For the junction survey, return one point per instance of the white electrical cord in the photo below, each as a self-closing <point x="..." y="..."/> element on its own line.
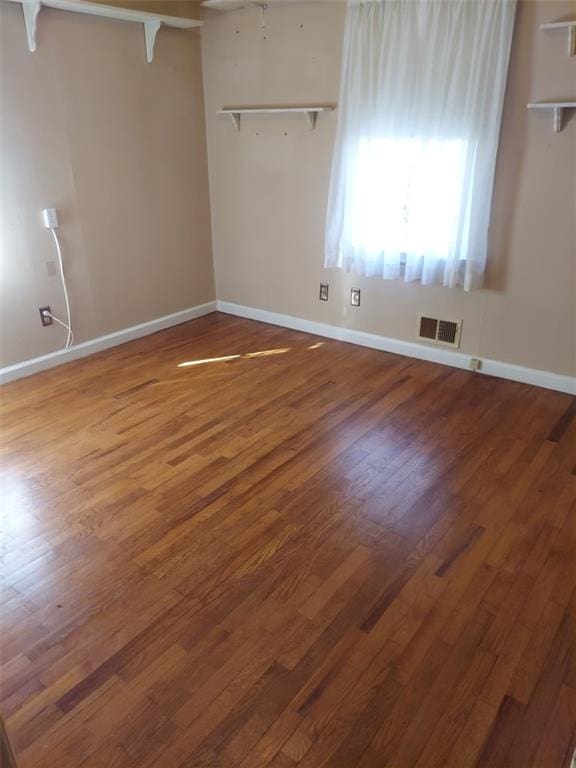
<point x="68" y="325"/>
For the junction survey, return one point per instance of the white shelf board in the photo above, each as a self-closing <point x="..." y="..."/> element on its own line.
<point x="557" y="106"/>
<point x="234" y="5"/>
<point x="262" y="5"/>
<point x="224" y="5"/>
<point x="150" y="21"/>
<point x="311" y="113"/>
<point x="571" y="27"/>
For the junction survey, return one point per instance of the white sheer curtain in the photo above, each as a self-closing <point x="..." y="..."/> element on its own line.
<point x="419" y="119"/>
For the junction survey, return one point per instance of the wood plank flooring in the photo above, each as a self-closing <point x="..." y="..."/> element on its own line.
<point x="230" y="544"/>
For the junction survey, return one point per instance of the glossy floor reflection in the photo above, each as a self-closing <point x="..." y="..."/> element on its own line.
<point x="327" y="555"/>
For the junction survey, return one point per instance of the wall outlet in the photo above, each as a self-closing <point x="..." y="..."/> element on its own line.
<point x="45" y="317"/>
<point x="355" y="297"/>
<point x="475" y="364"/>
<point x="323" y="292"/>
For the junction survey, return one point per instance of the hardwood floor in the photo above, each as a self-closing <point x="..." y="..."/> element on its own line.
<point x="305" y="553"/>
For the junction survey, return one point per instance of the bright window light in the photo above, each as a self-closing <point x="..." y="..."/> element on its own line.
<point x="406" y="196"/>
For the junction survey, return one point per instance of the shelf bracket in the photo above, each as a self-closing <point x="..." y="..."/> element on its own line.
<point x="31" y="9"/>
<point x="557" y="108"/>
<point x="557" y="119"/>
<point x="235" y="117"/>
<point x="570" y="26"/>
<point x="263" y="13"/>
<point x="312" y="119"/>
<point x="150" y="31"/>
<point x="150" y="21"/>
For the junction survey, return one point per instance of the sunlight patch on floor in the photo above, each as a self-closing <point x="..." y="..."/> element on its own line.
<point x="264" y="353"/>
<point x="190" y="363"/>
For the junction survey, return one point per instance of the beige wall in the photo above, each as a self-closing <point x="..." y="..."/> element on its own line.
<point x="118" y="147"/>
<point x="269" y="187"/>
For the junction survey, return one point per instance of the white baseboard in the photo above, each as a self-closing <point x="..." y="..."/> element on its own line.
<point x="533" y="376"/>
<point x="27" y="367"/>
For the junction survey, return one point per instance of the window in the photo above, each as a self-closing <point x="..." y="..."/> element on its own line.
<point x="419" y="120"/>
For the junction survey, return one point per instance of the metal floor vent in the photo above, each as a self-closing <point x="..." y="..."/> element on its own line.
<point x="437" y="331"/>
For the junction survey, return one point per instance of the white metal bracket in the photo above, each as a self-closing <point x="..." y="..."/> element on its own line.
<point x="151" y="28"/>
<point x="235" y="117"/>
<point x="312" y="119"/>
<point x="557" y="119"/>
<point x="263" y="13"/>
<point x="31" y="9"/>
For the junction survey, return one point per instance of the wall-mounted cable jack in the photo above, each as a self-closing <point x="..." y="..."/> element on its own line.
<point x="50" y="221"/>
